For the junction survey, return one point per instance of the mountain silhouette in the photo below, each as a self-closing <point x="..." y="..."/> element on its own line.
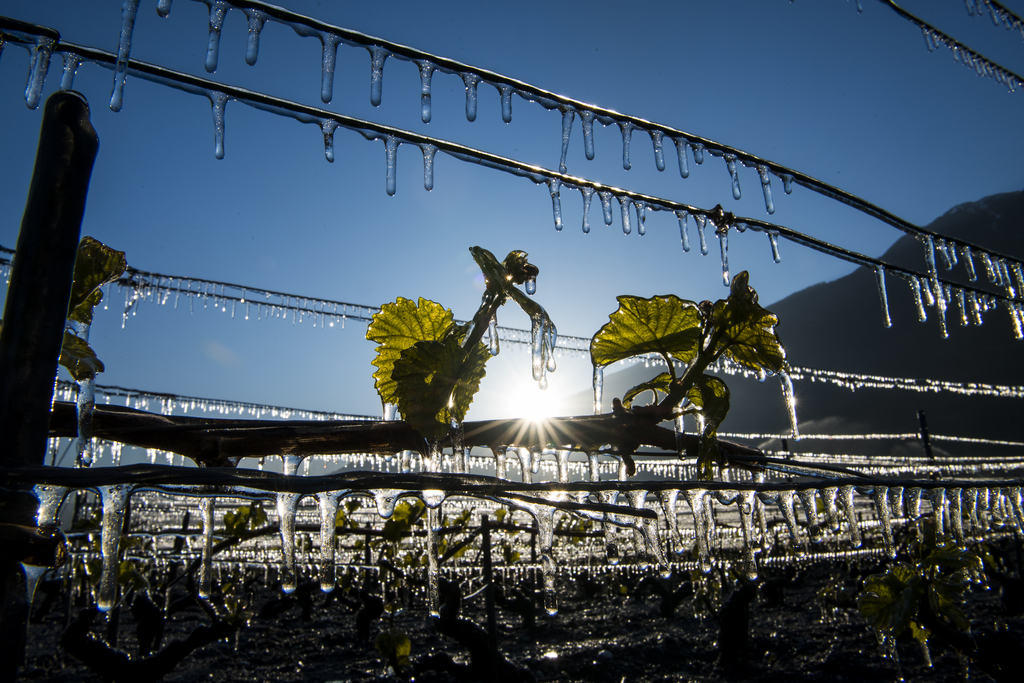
<point x="838" y="326"/>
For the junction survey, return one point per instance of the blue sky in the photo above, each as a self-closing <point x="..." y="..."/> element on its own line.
<point x="851" y="98"/>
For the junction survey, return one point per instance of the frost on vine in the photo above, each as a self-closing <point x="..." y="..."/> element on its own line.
<point x="695" y="336"/>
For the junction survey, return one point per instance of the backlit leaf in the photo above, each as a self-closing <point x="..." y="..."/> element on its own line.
<point x="659" y="383"/>
<point x="889" y="601"/>
<point x="745" y="332"/>
<point x="78" y="357"/>
<point x="95" y="265"/>
<point x="398" y="326"/>
<point x="666" y="325"/>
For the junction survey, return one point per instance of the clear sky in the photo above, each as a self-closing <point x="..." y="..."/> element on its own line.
<point x="851" y="98"/>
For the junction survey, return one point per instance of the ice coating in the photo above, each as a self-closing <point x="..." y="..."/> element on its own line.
<point x="391" y="159"/>
<point x="525" y="463"/>
<point x="598" y="389"/>
<point x="492" y="333"/>
<point x="286" y="504"/>
<point x="684" y="166"/>
<point x="684" y="233"/>
<point x="657" y="138"/>
<point x="255" y="19"/>
<point x="471" y="82"/>
<point x="129" y="10"/>
<point x="641" y="217"/>
<point x="428" y="166"/>
<point x="42" y="50"/>
<point x="956" y="515"/>
<point x="554" y="187"/>
<point x="433" y="563"/>
<point x="939" y="290"/>
<point x="327" y="503"/>
<point x="896" y="501"/>
<point x="698" y="152"/>
<point x="218" y="102"/>
<point x="697" y="502"/>
<point x="71" y="64"/>
<point x="730" y="163"/>
<point x="882" y="294"/>
<point x="884" y="519"/>
<point x="668" y="499"/>
<point x="588" y="197"/>
<point x="846" y="503"/>
<point x="587" y="122"/>
<point x="328" y="60"/>
<point x="702" y="222"/>
<point x="789" y="396"/>
<point x="328" y="126"/>
<point x="562" y="460"/>
<point x="937" y="496"/>
<point x="810" y="506"/>
<point x="606" y="206"/>
<point x="377" y="57"/>
<point x="506" y="103"/>
<point x="218" y="10"/>
<point x="647" y="528"/>
<point x="499" y="462"/>
<point x="773" y="240"/>
<point x="785" y="503"/>
<point x="723" y="242"/>
<point x="627" y="136"/>
<point x="163" y="8"/>
<point x="568" y="116"/>
<point x="426" y="75"/>
<point x="385" y="500"/>
<point x="745" y="503"/>
<point x="206" y="557"/>
<point x="593" y="466"/>
<point x="50" y="499"/>
<point x="85" y="403"/>
<point x="624" y="204"/>
<point x="787" y="183"/>
<point x="115" y="499"/>
<point x="915" y="288"/>
<point x="766" y="188"/>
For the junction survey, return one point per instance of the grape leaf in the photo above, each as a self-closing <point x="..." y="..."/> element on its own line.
<point x="398" y="326"/>
<point x="890" y="600"/>
<point x="666" y="325"/>
<point x="78" y="357"/>
<point x="744" y="331"/>
<point x="711" y="395"/>
<point x="436" y="381"/>
<point x="95" y="265"/>
<point x="659" y="383"/>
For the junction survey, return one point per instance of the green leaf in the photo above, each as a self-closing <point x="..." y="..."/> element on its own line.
<point x="890" y="601"/>
<point x="436" y="382"/>
<point x="745" y="332"/>
<point x="711" y="395"/>
<point x="666" y="325"/>
<point x="78" y="357"/>
<point x="944" y="600"/>
<point x="95" y="265"/>
<point x="397" y="327"/>
<point x="920" y="633"/>
<point x="659" y="383"/>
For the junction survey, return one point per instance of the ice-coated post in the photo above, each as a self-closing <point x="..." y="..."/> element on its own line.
<point x="492" y="621"/>
<point x="44" y="263"/>
<point x="35" y="313"/>
<point x="926" y="440"/>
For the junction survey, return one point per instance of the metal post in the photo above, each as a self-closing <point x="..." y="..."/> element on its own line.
<point x="926" y="440"/>
<point x="35" y="315"/>
<point x="492" y="621"/>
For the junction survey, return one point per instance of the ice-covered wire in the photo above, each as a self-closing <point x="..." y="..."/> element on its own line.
<point x="1001" y="15"/>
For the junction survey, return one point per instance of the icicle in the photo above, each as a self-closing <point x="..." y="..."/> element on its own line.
<point x="787" y="183"/>
<point x="896" y="501"/>
<point x="499" y="461"/>
<point x="933" y="273"/>
<point x="684" y="167"/>
<point x="773" y="240"/>
<point x="327" y="502"/>
<point x="329" y="57"/>
<point x="506" y="103"/>
<point x="71" y="64"/>
<point x="554" y="185"/>
<point x="884" y="519"/>
<point x="256" y="19"/>
<point x="428" y="166"/>
<point x="568" y="116"/>
<point x="627" y="136"/>
<point x="218" y="102"/>
<point x="39" y="66"/>
<point x="124" y="48"/>
<point x="114" y="498"/>
<point x="702" y="221"/>
<point x="882" y="294"/>
<point x="828" y="496"/>
<point x="668" y="499"/>
<point x="606" y="206"/>
<point x="50" y="499"/>
<point x="657" y="137"/>
<point x="785" y="503"/>
<point x="588" y="196"/>
<point x="846" y="502"/>
<point x="789" y="397"/>
<point x="206" y="558"/>
<point x="598" y="389"/>
<point x="723" y="241"/>
<point x="745" y="503"/>
<point x="624" y="204"/>
<point x="938" y="499"/>
<point x="286" y="503"/>
<point x="684" y="234"/>
<point x="593" y="466"/>
<point x="163" y="8"/>
<point x="969" y="264"/>
<point x="698" y="503"/>
<point x="587" y="121"/>
<point x="641" y="217"/>
<point x="426" y="75"/>
<point x="766" y="187"/>
<point x="377" y="57"/>
<point x="525" y="464"/>
<point x="648" y="530"/>
<point x="810" y="506"/>
<point x="730" y="163"/>
<point x="471" y="81"/>
<point x="562" y="458"/>
<point x="956" y="515"/>
<point x="698" y="152"/>
<point x="328" y="126"/>
<point x="962" y="306"/>
<point x="385" y="500"/>
<point x="391" y="157"/>
<point x="492" y="331"/>
<point x="218" y="10"/>
<point x="433" y="563"/>
<point x="915" y="288"/>
<point x="531" y="285"/>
